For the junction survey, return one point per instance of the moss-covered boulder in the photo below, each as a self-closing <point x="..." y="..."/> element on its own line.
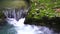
<point x="12" y="3"/>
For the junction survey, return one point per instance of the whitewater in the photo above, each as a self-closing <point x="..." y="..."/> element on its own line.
<point x="22" y="28"/>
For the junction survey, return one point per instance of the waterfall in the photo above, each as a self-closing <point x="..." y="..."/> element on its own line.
<point x="15" y="13"/>
<point x="16" y="17"/>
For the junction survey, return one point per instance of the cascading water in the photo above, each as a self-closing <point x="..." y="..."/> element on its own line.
<point x="15" y="13"/>
<point x="17" y="18"/>
<point x="21" y="28"/>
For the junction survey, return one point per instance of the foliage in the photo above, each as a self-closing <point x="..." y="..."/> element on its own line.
<point x="41" y="8"/>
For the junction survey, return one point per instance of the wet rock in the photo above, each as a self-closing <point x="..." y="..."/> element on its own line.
<point x="2" y="19"/>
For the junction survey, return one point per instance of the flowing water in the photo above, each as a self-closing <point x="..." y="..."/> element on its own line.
<point x="16" y="24"/>
<point x="21" y="28"/>
<point x="15" y="13"/>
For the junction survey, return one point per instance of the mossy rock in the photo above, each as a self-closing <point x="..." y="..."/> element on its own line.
<point x="2" y="19"/>
<point x="2" y="16"/>
<point x="12" y="3"/>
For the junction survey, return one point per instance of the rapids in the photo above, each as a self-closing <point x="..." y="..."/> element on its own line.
<point x="22" y="28"/>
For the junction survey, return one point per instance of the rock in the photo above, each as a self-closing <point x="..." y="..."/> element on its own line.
<point x="12" y="3"/>
<point x="2" y="19"/>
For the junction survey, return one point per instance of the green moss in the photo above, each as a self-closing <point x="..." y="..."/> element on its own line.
<point x="12" y="4"/>
<point x="2" y="16"/>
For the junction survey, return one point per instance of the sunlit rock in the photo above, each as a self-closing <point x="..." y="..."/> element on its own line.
<point x="13" y="4"/>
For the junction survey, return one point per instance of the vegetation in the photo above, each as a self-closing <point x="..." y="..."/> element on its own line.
<point x="41" y="8"/>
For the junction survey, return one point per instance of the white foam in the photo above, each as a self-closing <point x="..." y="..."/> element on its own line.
<point x="21" y="28"/>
